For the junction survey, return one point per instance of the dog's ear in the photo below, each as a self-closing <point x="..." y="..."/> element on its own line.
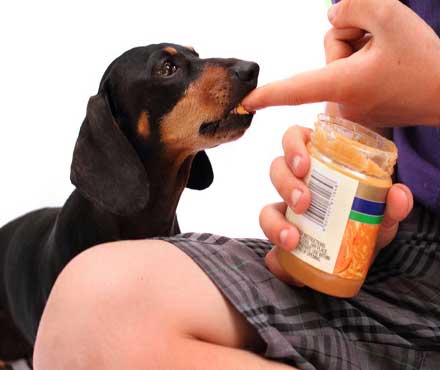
<point x="105" y="167"/>
<point x="201" y="174"/>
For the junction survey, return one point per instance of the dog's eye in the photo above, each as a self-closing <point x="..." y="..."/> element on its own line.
<point x="167" y="69"/>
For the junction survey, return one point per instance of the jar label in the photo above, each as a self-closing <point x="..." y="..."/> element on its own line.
<point x="338" y="231"/>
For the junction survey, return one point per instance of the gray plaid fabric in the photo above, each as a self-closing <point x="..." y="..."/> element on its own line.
<point x="393" y="323"/>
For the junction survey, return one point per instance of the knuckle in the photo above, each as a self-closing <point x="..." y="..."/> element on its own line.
<point x="275" y="167"/>
<point x="306" y="197"/>
<point x="268" y="260"/>
<point x="344" y="7"/>
<point x="350" y="5"/>
<point x="290" y="136"/>
<point x="263" y="212"/>
<point x="294" y="141"/>
<point x="384" y="12"/>
<point x="294" y="100"/>
<point x="263" y="217"/>
<point x="304" y="201"/>
<point x="328" y="38"/>
<point x="349" y="8"/>
<point x="343" y="91"/>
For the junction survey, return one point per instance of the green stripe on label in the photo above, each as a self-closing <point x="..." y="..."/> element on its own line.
<point x="365" y="219"/>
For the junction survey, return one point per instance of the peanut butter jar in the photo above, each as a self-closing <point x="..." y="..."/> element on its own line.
<point x="349" y="178"/>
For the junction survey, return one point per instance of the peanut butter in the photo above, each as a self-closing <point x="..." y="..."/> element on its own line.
<point x="349" y="180"/>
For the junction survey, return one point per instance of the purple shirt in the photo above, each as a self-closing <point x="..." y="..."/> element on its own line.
<point x="419" y="146"/>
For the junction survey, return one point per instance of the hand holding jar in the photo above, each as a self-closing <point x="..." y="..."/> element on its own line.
<point x="287" y="175"/>
<point x="383" y="68"/>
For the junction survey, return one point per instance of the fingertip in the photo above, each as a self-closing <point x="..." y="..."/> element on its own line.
<point x="331" y="14"/>
<point x="303" y="203"/>
<point x="301" y="164"/>
<point x="254" y="101"/>
<point x="294" y="144"/>
<point x="289" y="238"/>
<point x="409" y="196"/>
<point x="398" y="206"/>
<point x="399" y="202"/>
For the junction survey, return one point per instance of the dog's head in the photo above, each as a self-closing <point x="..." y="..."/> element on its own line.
<point x="159" y="100"/>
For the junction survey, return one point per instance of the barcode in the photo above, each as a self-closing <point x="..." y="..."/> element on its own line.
<point x="323" y="190"/>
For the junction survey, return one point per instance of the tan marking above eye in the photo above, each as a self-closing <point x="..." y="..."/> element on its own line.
<point x="205" y="101"/>
<point x="170" y="50"/>
<point x="143" y="125"/>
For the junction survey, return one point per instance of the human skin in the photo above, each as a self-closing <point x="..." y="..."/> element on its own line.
<point x="287" y="175"/>
<point x="393" y="55"/>
<point x="143" y="305"/>
<point x="383" y="68"/>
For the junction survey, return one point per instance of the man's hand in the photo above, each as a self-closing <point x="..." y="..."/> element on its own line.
<point x="383" y="68"/>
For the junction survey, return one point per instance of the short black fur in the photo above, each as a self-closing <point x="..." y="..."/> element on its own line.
<point x="127" y="186"/>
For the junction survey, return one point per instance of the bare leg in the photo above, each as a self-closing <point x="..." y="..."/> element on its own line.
<point x="142" y="305"/>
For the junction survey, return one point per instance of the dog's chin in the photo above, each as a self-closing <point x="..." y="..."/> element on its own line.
<point x="230" y="128"/>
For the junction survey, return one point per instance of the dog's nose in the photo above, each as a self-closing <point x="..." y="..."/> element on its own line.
<point x="246" y="71"/>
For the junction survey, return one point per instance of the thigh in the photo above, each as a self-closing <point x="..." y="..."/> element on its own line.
<point x="158" y="286"/>
<point x="186" y="295"/>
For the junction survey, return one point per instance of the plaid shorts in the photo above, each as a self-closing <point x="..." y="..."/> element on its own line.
<point x="393" y="323"/>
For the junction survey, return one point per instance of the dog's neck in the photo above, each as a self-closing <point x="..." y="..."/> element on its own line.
<point x="168" y="175"/>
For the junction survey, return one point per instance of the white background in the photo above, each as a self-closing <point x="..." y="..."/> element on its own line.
<point x="54" y="54"/>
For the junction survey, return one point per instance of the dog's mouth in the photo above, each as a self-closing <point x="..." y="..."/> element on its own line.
<point x="237" y="119"/>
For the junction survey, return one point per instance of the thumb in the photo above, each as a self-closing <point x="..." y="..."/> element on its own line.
<point x="399" y="205"/>
<point x="307" y="87"/>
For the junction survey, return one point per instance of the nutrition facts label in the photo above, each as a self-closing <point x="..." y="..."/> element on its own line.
<point x="313" y="248"/>
<point x="323" y="225"/>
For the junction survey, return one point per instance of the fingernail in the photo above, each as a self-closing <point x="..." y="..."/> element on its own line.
<point x="332" y="12"/>
<point x="296" y="195"/>
<point x="249" y="108"/>
<point x="283" y="236"/>
<point x="296" y="163"/>
<point x="408" y="203"/>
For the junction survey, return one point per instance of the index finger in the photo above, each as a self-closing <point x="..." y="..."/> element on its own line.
<point x="307" y="87"/>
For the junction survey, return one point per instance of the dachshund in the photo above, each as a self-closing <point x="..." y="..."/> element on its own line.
<point x="142" y="141"/>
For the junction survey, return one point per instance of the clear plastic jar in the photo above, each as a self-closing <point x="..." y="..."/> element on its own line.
<point x="349" y="178"/>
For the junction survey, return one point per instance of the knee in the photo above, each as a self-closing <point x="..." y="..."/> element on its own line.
<point x="97" y="315"/>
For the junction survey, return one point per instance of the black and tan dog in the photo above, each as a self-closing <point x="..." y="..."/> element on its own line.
<point x="141" y="143"/>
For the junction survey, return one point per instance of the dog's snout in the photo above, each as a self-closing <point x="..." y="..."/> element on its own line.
<point x="246" y="71"/>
